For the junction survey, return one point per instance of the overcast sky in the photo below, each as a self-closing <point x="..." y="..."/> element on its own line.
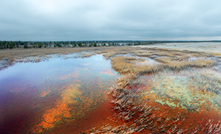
<point x="45" y="20"/>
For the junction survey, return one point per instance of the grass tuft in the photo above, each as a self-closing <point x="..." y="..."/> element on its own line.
<point x="126" y="65"/>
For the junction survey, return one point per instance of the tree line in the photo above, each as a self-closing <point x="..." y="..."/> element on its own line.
<point x="58" y="44"/>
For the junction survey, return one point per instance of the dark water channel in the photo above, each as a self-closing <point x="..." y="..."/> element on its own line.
<point x="39" y="97"/>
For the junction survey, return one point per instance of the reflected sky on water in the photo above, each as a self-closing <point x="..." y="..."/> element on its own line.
<point x="35" y="97"/>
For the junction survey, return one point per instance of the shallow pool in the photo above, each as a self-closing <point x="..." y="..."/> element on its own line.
<point x="40" y="97"/>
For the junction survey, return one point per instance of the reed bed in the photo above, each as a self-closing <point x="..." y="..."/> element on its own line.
<point x="126" y="65"/>
<point x="183" y="63"/>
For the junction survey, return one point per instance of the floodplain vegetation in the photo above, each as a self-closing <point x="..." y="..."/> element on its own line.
<point x="159" y="91"/>
<point x="163" y="91"/>
<point x="171" y="59"/>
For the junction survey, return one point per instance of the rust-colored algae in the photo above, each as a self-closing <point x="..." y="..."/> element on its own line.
<point x="71" y="75"/>
<point x="44" y="93"/>
<point x="108" y="72"/>
<point x="73" y="104"/>
<point x="61" y="109"/>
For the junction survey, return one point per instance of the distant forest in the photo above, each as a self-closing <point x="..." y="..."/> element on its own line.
<point x="58" y="44"/>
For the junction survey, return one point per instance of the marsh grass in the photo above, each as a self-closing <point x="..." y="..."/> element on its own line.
<point x="144" y="54"/>
<point x="126" y="80"/>
<point x="173" y="59"/>
<point x="207" y="83"/>
<point x="113" y="53"/>
<point x="109" y="54"/>
<point x="180" y="63"/>
<point x="126" y="65"/>
<point x="87" y="55"/>
<point x="99" y="52"/>
<point x="178" y="60"/>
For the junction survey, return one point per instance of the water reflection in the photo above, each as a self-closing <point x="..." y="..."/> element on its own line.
<point x="52" y="92"/>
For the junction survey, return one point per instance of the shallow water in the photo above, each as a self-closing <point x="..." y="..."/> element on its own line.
<point x="38" y="97"/>
<point x="214" y="47"/>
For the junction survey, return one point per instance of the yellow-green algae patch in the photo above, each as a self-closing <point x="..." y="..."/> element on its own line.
<point x="181" y="90"/>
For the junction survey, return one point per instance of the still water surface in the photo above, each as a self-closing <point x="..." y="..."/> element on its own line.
<point x="43" y="96"/>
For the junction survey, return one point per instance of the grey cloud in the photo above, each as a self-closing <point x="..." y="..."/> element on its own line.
<point x="109" y="20"/>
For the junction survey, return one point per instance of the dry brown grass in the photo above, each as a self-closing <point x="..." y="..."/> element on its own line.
<point x="126" y="80"/>
<point x="144" y="54"/>
<point x="164" y="59"/>
<point x="181" y="58"/>
<point x="126" y="65"/>
<point x="99" y="52"/>
<point x="164" y="53"/>
<point x="172" y="59"/>
<point x="175" y="54"/>
<point x="87" y="55"/>
<point x="109" y="54"/>
<point x="22" y="53"/>
<point x="202" y="63"/>
<point x="169" y="63"/>
<point x="112" y="53"/>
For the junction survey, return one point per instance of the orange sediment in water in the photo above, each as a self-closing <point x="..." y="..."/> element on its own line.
<point x="61" y="109"/>
<point x="108" y="72"/>
<point x="74" y="103"/>
<point x="43" y="94"/>
<point x="71" y="75"/>
<point x="98" y="117"/>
